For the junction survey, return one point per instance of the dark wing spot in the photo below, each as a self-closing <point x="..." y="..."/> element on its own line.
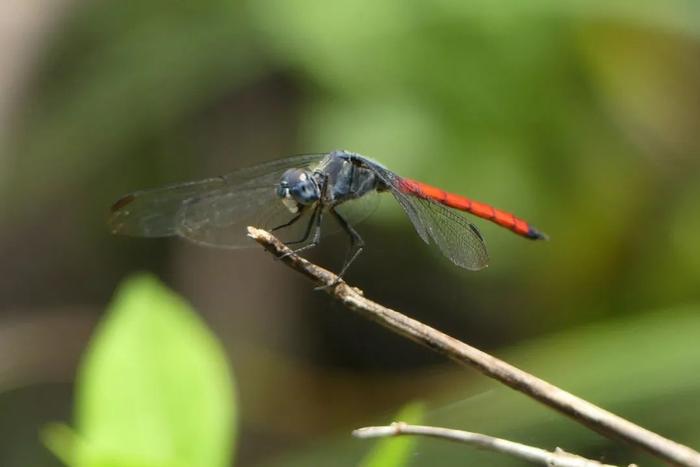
<point x="476" y="231"/>
<point x="125" y="201"/>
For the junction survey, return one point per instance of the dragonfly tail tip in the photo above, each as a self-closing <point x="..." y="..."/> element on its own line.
<point x="535" y="234"/>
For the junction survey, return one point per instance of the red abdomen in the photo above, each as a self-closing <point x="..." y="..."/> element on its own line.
<point x="485" y="211"/>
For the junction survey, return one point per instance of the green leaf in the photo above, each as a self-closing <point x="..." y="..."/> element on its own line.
<point x="154" y="388"/>
<point x="62" y="441"/>
<point x="395" y="452"/>
<point x="68" y="446"/>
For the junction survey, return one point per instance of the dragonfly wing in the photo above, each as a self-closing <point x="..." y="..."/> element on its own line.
<point x="414" y="214"/>
<point x="270" y="172"/>
<point x="393" y="182"/>
<point x="221" y="203"/>
<point x="220" y="219"/>
<point x="154" y="213"/>
<point x="454" y="235"/>
<point x="356" y="210"/>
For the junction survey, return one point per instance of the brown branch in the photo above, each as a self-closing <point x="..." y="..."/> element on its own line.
<point x="592" y="416"/>
<point x="558" y="458"/>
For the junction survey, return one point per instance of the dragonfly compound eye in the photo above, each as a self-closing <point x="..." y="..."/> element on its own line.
<point x="282" y="190"/>
<point x="299" y="185"/>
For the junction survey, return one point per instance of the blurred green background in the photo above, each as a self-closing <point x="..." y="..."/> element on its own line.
<point x="580" y="116"/>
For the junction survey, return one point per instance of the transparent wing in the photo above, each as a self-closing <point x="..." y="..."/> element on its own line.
<point x="454" y="235"/>
<point x="214" y="211"/>
<point x="450" y="230"/>
<point x="221" y="219"/>
<point x="356" y="210"/>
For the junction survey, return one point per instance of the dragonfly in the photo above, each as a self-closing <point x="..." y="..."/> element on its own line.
<point x="303" y="190"/>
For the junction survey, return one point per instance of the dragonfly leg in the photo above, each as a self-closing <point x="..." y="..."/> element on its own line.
<point x="314" y="223"/>
<point x="292" y="221"/>
<point x="316" y="218"/>
<point x="307" y="232"/>
<point x="357" y="245"/>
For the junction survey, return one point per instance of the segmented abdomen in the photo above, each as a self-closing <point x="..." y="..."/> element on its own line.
<point x="485" y="211"/>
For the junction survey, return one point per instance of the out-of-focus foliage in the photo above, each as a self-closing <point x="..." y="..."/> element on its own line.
<point x="154" y="388"/>
<point x="395" y="452"/>
<point x="113" y="90"/>
<point x="637" y="367"/>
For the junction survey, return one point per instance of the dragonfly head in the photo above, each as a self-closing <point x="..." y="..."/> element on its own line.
<point x="298" y="186"/>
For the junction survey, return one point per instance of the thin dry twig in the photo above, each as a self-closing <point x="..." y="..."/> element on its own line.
<point x="558" y="458"/>
<point x="590" y="415"/>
